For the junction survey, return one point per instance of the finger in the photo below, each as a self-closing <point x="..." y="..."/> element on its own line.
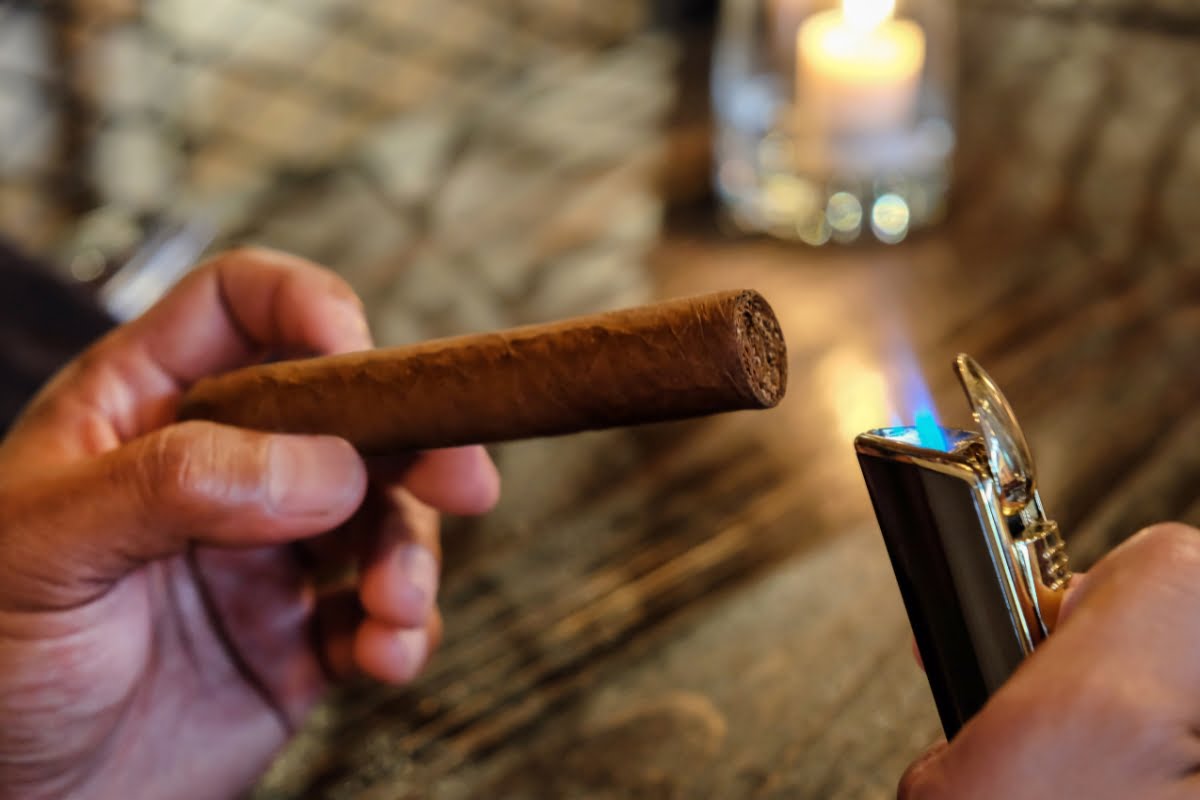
<point x="387" y="518"/>
<point x="336" y="620"/>
<point x="68" y="539"/>
<point x="1137" y="607"/>
<point x="395" y="655"/>
<point x="337" y="624"/>
<point x="227" y="313"/>
<point x="332" y="559"/>
<point x="1154" y="568"/>
<point x="399" y="574"/>
<point x="391" y="547"/>
<point x="242" y="303"/>
<point x="920" y="781"/>
<point x="461" y="480"/>
<point x="1117" y="677"/>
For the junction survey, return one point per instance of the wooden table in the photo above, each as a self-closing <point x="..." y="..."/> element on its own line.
<point x="706" y="609"/>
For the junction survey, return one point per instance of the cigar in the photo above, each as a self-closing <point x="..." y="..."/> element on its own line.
<point x="670" y="361"/>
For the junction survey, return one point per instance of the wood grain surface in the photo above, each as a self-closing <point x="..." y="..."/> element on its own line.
<point x="706" y="609"/>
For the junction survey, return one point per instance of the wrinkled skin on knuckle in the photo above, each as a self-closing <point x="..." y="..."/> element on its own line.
<point x="194" y="466"/>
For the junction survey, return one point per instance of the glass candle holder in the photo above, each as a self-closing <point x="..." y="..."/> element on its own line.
<point x="834" y="118"/>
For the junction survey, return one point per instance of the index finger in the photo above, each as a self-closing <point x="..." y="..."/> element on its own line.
<point x="240" y="303"/>
<point x="227" y="313"/>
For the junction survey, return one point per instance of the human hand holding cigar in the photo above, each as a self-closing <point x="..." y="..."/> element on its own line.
<point x="173" y="565"/>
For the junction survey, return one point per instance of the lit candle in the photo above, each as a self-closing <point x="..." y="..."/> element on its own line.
<point x="858" y="68"/>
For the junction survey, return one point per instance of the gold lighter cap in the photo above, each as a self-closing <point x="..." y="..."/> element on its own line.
<point x="1007" y="451"/>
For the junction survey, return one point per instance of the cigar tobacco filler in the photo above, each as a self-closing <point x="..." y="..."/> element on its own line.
<point x="980" y="567"/>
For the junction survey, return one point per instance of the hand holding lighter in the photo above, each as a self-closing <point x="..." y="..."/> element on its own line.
<point x="980" y="567"/>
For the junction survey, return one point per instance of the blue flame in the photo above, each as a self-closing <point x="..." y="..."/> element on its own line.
<point x="917" y="403"/>
<point x="910" y="398"/>
<point x="929" y="432"/>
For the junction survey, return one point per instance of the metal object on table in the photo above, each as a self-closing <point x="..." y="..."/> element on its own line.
<point x="981" y="568"/>
<point x="125" y="263"/>
<point x="157" y="265"/>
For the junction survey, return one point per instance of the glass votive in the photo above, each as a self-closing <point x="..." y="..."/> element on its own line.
<point x="834" y="118"/>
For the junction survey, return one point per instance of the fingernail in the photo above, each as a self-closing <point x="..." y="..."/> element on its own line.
<point x="313" y="475"/>
<point x="420" y="571"/>
<point x="412" y="647"/>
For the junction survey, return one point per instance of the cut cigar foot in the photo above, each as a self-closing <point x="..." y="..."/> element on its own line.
<point x="764" y="352"/>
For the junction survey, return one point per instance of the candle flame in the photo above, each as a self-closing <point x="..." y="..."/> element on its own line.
<point x="866" y="15"/>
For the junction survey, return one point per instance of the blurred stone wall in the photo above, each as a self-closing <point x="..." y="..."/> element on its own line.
<point x="1094" y="104"/>
<point x="466" y="164"/>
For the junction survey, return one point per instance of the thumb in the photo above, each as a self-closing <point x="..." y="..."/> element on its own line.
<point x="68" y="537"/>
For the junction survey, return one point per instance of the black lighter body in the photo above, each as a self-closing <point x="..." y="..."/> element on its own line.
<point x="980" y="567"/>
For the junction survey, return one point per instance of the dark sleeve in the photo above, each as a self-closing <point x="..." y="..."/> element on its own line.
<point x="43" y="323"/>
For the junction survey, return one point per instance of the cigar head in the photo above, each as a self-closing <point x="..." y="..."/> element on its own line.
<point x="763" y="351"/>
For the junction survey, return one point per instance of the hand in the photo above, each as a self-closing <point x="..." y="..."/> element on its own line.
<point x="1108" y="707"/>
<point x="159" y="633"/>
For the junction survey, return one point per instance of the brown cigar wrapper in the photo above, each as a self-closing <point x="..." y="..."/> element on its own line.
<point x="674" y="360"/>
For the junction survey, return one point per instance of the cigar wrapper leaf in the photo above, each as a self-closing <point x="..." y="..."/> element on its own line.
<point x="675" y="360"/>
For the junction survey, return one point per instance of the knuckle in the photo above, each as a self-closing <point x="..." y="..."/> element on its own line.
<point x="925" y="778"/>
<point x="308" y="279"/>
<point x="188" y="465"/>
<point x="93" y="358"/>
<point x="915" y="786"/>
<point x="297" y="274"/>
<point x="92" y="370"/>
<point x="1169" y="548"/>
<point x="165" y="472"/>
<point x="240" y="254"/>
<point x="1171" y="540"/>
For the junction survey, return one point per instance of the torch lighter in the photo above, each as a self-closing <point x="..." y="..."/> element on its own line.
<point x="980" y="567"/>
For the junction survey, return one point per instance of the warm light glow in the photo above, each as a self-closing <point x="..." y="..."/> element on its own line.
<point x="890" y="217"/>
<point x="858" y="68"/>
<point x="855" y="390"/>
<point x="867" y="14"/>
